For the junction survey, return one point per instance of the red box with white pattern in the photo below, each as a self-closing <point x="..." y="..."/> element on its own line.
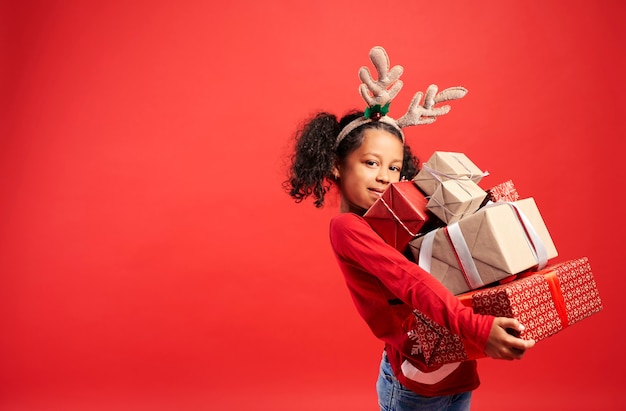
<point x="505" y="191"/>
<point x="544" y="301"/>
<point x="430" y="343"/>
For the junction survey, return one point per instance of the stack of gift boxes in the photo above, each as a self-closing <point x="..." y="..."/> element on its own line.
<point x="488" y="247"/>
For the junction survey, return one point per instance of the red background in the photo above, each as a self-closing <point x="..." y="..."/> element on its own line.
<point x="149" y="257"/>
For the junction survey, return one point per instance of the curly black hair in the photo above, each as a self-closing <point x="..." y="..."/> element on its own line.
<point x="315" y="154"/>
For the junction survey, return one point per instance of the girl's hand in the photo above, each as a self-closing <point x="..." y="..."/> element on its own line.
<point x="503" y="343"/>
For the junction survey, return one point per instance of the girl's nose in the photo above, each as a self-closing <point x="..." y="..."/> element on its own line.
<point x="383" y="175"/>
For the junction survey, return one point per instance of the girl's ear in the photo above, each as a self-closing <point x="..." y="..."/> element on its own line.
<point x="336" y="172"/>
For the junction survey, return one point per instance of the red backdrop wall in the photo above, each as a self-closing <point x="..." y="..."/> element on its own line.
<point x="149" y="257"/>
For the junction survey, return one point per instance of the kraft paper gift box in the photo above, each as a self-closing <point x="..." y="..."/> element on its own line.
<point x="455" y="199"/>
<point x="496" y="242"/>
<point x="445" y="165"/>
<point x="545" y="301"/>
<point x="399" y="214"/>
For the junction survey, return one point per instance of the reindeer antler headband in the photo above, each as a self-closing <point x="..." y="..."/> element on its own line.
<point x="378" y="95"/>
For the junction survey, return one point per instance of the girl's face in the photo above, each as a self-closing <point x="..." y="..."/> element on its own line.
<point x="368" y="170"/>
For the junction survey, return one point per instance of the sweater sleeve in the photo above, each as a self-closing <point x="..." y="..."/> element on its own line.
<point x="356" y="244"/>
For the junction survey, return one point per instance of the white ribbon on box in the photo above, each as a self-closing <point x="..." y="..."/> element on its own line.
<point x="464" y="256"/>
<point x="395" y="216"/>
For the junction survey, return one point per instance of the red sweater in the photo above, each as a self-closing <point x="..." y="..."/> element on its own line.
<point x="386" y="287"/>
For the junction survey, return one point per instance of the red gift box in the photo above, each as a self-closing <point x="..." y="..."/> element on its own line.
<point x="432" y="345"/>
<point x="503" y="192"/>
<point x="577" y="294"/>
<point x="399" y="214"/>
<point x="528" y="299"/>
<point x="544" y="301"/>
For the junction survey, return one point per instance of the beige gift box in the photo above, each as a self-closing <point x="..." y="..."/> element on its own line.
<point x="499" y="240"/>
<point x="455" y="199"/>
<point x="443" y="166"/>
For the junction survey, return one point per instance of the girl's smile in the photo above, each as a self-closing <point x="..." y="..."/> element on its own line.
<point x="377" y="191"/>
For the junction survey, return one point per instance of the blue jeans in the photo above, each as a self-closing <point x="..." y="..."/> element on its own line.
<point x="393" y="396"/>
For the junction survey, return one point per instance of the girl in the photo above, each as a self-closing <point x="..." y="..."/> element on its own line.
<point x="362" y="166"/>
<point x="362" y="155"/>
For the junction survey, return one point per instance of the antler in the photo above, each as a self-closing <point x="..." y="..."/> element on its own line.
<point x="378" y="92"/>
<point x="427" y="114"/>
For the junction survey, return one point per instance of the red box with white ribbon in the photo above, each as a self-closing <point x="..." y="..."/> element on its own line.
<point x="399" y="214"/>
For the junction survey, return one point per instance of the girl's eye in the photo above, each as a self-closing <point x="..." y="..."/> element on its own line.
<point x="371" y="163"/>
<point x="395" y="169"/>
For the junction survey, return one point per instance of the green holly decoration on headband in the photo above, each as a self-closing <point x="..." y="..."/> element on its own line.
<point x="376" y="111"/>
